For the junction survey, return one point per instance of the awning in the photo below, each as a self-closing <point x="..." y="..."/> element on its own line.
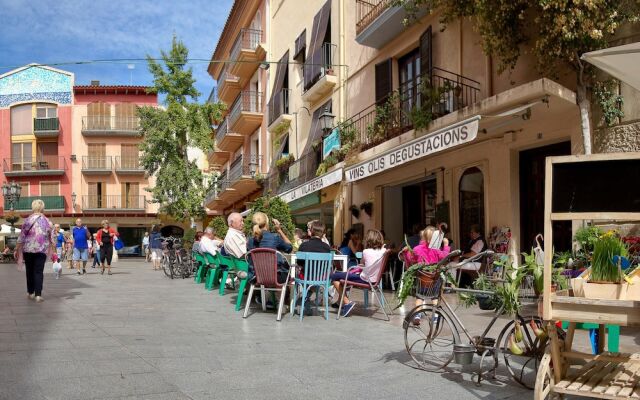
<point x="621" y="62"/>
<point x="313" y="185"/>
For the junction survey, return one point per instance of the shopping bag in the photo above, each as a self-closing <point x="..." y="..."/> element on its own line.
<point x="118" y="244"/>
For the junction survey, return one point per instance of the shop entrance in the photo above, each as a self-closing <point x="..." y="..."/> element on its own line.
<point x="532" y="170"/>
<point x="418" y="208"/>
<point x="322" y="212"/>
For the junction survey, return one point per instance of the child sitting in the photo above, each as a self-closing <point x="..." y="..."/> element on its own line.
<point x="422" y="253"/>
<point x="372" y="258"/>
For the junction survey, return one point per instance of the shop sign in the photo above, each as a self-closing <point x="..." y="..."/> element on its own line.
<point x="314" y="185"/>
<point x="304" y="202"/>
<point x="442" y="139"/>
<point x="330" y="143"/>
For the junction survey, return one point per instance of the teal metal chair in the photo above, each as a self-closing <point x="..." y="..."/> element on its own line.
<point x="316" y="272"/>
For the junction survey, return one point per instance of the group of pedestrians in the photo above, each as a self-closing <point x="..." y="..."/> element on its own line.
<point x="40" y="240"/>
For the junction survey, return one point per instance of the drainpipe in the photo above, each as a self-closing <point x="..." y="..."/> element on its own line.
<point x="343" y="70"/>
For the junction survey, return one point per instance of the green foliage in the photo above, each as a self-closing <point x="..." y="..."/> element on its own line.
<point x="168" y="133"/>
<point x="189" y="238"/>
<point x="609" y="100"/>
<point x="328" y="162"/>
<point x="535" y="269"/>
<point x="587" y="236"/>
<point x="407" y="287"/>
<point x="219" y="225"/>
<point x="602" y="267"/>
<point x="508" y="292"/>
<point x="281" y="128"/>
<point x="275" y="208"/>
<point x="285" y="162"/>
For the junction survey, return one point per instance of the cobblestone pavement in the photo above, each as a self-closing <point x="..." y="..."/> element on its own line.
<point x="137" y="334"/>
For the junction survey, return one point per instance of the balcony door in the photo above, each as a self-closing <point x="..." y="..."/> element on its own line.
<point x="47" y="155"/>
<point x="409" y="68"/>
<point x="98" y="116"/>
<point x="21" y="156"/>
<point x="130" y="195"/>
<point x="129" y="156"/>
<point x="97" y="195"/>
<point x="97" y="156"/>
<point x="126" y="117"/>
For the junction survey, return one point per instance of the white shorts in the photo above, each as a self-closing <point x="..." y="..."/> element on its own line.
<point x="156" y="254"/>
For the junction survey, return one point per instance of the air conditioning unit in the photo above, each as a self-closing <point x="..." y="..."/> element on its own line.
<point x="73" y="157"/>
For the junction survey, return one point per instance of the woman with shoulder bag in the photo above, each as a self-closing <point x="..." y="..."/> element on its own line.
<point x="106" y="238"/>
<point x="37" y="242"/>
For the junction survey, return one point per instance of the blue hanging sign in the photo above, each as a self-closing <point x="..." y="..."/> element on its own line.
<point x="331" y="142"/>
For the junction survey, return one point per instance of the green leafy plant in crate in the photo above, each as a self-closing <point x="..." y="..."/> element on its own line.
<point x="603" y="269"/>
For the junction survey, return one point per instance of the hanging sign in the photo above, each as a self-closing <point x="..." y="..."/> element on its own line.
<point x="319" y="183"/>
<point x="442" y="139"/>
<point x="330" y="143"/>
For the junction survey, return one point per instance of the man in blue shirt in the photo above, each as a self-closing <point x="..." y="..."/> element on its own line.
<point x="80" y="246"/>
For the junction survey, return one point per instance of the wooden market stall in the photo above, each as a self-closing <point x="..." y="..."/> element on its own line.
<point x="598" y="188"/>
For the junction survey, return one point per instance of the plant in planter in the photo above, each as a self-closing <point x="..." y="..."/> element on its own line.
<point x="355" y="211"/>
<point x="603" y="269"/>
<point x="484" y="301"/>
<point x="284" y="163"/>
<point x="536" y="270"/>
<point x="367" y="207"/>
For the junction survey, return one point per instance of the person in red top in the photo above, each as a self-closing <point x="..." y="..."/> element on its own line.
<point x="106" y="237"/>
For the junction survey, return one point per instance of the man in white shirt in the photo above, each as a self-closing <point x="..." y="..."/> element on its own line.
<point x="235" y="243"/>
<point x="208" y="244"/>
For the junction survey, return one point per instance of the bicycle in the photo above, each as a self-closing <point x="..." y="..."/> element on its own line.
<point x="175" y="260"/>
<point x="433" y="342"/>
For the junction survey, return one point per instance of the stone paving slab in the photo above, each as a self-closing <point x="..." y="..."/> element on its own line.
<point x="139" y="335"/>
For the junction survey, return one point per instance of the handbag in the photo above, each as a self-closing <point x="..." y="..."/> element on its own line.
<point x="118" y="244"/>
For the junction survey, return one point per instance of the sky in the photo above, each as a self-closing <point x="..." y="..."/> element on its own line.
<point x="39" y="31"/>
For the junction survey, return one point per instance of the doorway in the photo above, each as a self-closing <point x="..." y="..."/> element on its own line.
<point x="532" y="171"/>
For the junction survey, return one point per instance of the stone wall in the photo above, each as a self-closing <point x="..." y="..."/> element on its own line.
<point x="620" y="138"/>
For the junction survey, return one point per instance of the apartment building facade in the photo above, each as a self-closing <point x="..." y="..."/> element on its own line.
<point x="76" y="148"/>
<point x="239" y="159"/>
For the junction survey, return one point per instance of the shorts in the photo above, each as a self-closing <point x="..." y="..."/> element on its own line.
<point x="156" y="254"/>
<point x="80" y="254"/>
<point x="59" y="252"/>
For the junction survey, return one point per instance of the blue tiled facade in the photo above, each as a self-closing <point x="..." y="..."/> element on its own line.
<point x="36" y="84"/>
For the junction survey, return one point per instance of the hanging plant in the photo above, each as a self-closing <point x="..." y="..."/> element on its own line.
<point x="284" y="163"/>
<point x="355" y="211"/>
<point x="367" y="207"/>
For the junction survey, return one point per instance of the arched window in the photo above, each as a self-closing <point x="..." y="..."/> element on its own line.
<point x="98" y="116"/>
<point x="471" y="192"/>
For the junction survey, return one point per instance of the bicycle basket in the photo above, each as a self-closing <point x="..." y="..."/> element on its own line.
<point x="428" y="284"/>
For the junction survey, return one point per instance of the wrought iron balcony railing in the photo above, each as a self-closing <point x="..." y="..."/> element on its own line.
<point x="100" y="163"/>
<point x="367" y="11"/>
<point x="28" y="164"/>
<point x="113" y="202"/>
<point x="247" y="39"/>
<point x="50" y="203"/>
<point x="319" y="64"/>
<point x="101" y="124"/>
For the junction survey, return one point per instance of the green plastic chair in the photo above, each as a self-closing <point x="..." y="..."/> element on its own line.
<point x="213" y="270"/>
<point x="202" y="266"/>
<point x="233" y="266"/>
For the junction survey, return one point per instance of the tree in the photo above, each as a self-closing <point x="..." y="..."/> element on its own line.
<point x="169" y="132"/>
<point x="275" y="208"/>
<point x="558" y="31"/>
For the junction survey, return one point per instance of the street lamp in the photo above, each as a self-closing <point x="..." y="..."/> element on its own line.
<point x="326" y="120"/>
<point x="11" y="192"/>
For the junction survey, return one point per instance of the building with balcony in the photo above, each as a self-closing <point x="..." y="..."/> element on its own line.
<point x="238" y="159"/>
<point x="36" y="106"/>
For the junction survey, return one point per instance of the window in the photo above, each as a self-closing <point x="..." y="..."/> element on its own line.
<point x="471" y="202"/>
<point x="129" y="156"/>
<point x="126" y="116"/>
<point x="44" y="111"/>
<point x="49" y="188"/>
<point x="98" y="116"/>
<point x="97" y="155"/>
<point x="47" y="155"/>
<point x="130" y="195"/>
<point x="21" y="156"/>
<point x="22" y="120"/>
<point x="409" y="74"/>
<point x="97" y="197"/>
<point x="25" y="189"/>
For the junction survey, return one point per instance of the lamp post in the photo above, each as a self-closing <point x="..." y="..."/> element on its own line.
<point x="326" y="120"/>
<point x="74" y="196"/>
<point x="11" y="192"/>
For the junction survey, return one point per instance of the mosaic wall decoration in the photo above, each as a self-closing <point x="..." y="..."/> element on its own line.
<point x="35" y="84"/>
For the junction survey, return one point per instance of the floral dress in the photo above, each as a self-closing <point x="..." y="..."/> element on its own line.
<point x="37" y="234"/>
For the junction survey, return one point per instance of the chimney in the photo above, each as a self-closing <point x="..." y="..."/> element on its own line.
<point x="95" y="83"/>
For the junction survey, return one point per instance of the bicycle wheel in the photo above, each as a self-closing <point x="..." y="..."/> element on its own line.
<point x="166" y="267"/>
<point x="524" y="367"/>
<point x="430" y="343"/>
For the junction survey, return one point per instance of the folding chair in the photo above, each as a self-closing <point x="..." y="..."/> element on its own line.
<point x="265" y="266"/>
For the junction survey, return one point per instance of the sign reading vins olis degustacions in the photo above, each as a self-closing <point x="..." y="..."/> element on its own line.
<point x="442" y="139"/>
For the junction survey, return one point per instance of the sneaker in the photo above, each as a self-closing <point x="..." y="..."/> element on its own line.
<point x="79" y="273"/>
<point x="84" y="271"/>
<point x="109" y="273"/>
<point x="346" y="309"/>
<point x="32" y="296"/>
<point x="39" y="299"/>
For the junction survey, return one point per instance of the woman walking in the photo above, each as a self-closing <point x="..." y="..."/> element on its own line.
<point x="105" y="239"/>
<point x="36" y="242"/>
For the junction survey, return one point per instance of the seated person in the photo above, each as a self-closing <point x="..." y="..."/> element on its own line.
<point x="372" y="257"/>
<point x="264" y="238"/>
<point x="315" y="244"/>
<point x="196" y="242"/>
<point x="209" y="242"/>
<point x="476" y="245"/>
<point x="235" y="243"/>
<point x="422" y="253"/>
<point x="414" y="239"/>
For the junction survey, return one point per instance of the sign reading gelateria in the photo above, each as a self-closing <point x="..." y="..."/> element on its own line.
<point x="313" y="186"/>
<point x="442" y="139"/>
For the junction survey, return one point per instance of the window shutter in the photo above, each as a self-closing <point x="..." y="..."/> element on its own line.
<point x="300" y="46"/>
<point x="49" y="188"/>
<point x="426" y="60"/>
<point x="384" y="81"/>
<point x="22" y="120"/>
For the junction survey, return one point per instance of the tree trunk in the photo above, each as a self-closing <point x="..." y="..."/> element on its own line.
<point x="585" y="122"/>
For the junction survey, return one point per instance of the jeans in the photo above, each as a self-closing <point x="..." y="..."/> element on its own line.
<point x="34" y="265"/>
<point x="96" y="258"/>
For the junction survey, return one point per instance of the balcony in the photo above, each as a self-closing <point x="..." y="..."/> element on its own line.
<point x="46" y="127"/>
<point x="97" y="165"/>
<point x="129" y="166"/>
<point x="228" y="86"/>
<point x="99" y="125"/>
<point x="279" y="108"/>
<point x="42" y="166"/>
<point x="217" y="157"/>
<point x="319" y="74"/>
<point x="113" y="203"/>
<point x="212" y="201"/>
<point x="51" y="203"/>
<point x="301" y="171"/>
<point x="456" y="92"/>
<point x="242" y="173"/>
<point x="246" y="113"/>
<point x="226" y="139"/>
<point x="246" y="54"/>
<point x="377" y="22"/>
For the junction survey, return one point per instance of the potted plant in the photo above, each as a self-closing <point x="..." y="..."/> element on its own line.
<point x="355" y="211"/>
<point x="605" y="277"/>
<point x="284" y="163"/>
<point x="536" y="270"/>
<point x="367" y="207"/>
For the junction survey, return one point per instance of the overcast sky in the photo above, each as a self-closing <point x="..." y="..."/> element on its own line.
<point x="78" y="30"/>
